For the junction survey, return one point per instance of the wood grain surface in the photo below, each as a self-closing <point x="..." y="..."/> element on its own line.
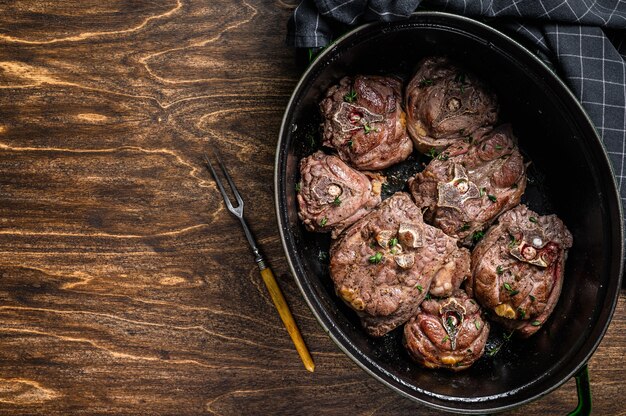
<point x="125" y="286"/>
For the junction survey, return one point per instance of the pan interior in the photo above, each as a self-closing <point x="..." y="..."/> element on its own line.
<point x="569" y="176"/>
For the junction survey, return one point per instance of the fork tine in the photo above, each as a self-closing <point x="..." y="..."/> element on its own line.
<point x="219" y="184"/>
<point x="230" y="181"/>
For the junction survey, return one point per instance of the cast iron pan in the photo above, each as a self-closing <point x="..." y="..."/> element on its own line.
<point x="570" y="175"/>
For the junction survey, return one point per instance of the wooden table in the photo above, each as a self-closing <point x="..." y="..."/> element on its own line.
<point x="125" y="286"/>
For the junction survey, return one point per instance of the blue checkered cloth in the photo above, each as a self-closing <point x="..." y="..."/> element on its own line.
<point x="585" y="39"/>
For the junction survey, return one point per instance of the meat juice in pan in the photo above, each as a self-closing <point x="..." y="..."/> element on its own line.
<point x="536" y="196"/>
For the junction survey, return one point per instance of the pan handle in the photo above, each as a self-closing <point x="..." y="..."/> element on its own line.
<point x="583" y="388"/>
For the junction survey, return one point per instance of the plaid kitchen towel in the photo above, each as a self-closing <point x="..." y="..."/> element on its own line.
<point x="584" y="39"/>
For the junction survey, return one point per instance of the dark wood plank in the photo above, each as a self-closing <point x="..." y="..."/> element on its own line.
<point x="125" y="286"/>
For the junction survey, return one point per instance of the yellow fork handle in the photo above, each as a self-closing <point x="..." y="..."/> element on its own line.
<point x="287" y="317"/>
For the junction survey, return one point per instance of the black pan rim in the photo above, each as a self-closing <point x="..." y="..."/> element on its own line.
<point x="341" y="340"/>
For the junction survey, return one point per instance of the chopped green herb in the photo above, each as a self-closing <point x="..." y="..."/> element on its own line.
<point x="428" y="297"/>
<point x="372" y="244"/>
<point x="498" y="147"/>
<point x="311" y="138"/>
<point x="513" y="241"/>
<point x="298" y="187"/>
<point x="477" y="236"/>
<point x="433" y="153"/>
<point x="367" y="128"/>
<point x="337" y="201"/>
<point x="477" y="324"/>
<point x="464" y="227"/>
<point x="323" y="222"/>
<point x="514" y="186"/>
<point x="350" y="143"/>
<point x="322" y="255"/>
<point x="499" y="270"/>
<point x="461" y="131"/>
<point x="510" y="290"/>
<point x="449" y="322"/>
<point x="462" y="88"/>
<point x="393" y="242"/>
<point x="492" y="198"/>
<point x="420" y="288"/>
<point x="535" y="323"/>
<point x="443" y="156"/>
<point x="522" y="313"/>
<point x="376" y="258"/>
<point x="469" y="350"/>
<point x="470" y="139"/>
<point x="532" y="298"/>
<point x="425" y="81"/>
<point x="532" y="219"/>
<point x="393" y="251"/>
<point x="350" y="97"/>
<point x="482" y="192"/>
<point x="443" y="341"/>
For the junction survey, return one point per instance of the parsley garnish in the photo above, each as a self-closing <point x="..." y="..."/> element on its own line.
<point x="535" y="323"/>
<point x="514" y="186"/>
<point x="433" y="153"/>
<point x="498" y="147"/>
<point x="350" y="97"/>
<point x="393" y="242"/>
<point x="492" y="198"/>
<point x="532" y="219"/>
<point x="510" y="289"/>
<point x="499" y="270"/>
<point x="367" y="128"/>
<point x="477" y="236"/>
<point x="477" y="324"/>
<point x="426" y="81"/>
<point x="532" y="298"/>
<point x="376" y="258"/>
<point x="482" y="192"/>
<point x="443" y="156"/>
<point x="298" y="186"/>
<point x="322" y="255"/>
<point x="311" y="138"/>
<point x="522" y="313"/>
<point x="420" y="288"/>
<point x="449" y="322"/>
<point x="323" y="222"/>
<point x="350" y="143"/>
<point x="445" y="339"/>
<point x="337" y="201"/>
<point x="464" y="227"/>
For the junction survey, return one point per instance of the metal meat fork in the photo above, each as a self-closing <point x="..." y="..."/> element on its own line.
<point x="266" y="272"/>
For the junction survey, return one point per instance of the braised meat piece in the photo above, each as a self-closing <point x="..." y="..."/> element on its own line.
<point x="364" y="121"/>
<point x="383" y="265"/>
<point x="517" y="268"/>
<point x="468" y="185"/>
<point x="332" y="195"/>
<point x="445" y="104"/>
<point x="447" y="333"/>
